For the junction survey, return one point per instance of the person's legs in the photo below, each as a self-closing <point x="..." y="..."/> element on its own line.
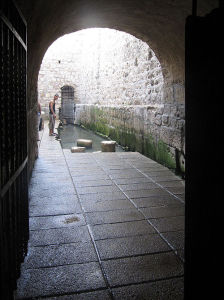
<point x="51" y="124"/>
<point x="38" y="123"/>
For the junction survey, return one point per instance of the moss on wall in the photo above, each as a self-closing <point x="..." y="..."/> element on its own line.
<point x="130" y="138"/>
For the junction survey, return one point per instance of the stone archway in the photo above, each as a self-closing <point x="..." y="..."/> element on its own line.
<point x="161" y="24"/>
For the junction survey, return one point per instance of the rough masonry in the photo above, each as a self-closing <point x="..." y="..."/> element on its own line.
<point x="119" y="91"/>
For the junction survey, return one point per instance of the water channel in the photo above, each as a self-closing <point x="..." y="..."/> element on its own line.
<point x="69" y="134"/>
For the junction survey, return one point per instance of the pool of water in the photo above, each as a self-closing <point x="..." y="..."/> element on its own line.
<point x="70" y="133"/>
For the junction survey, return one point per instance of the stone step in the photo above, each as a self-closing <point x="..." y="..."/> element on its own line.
<point x="78" y="149"/>
<point x="108" y="146"/>
<point x="84" y="143"/>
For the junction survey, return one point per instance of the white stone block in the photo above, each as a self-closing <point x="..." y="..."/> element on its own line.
<point x="78" y="149"/>
<point x="84" y="143"/>
<point x="108" y="146"/>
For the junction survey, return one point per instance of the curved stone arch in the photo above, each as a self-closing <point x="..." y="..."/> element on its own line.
<point x="119" y="51"/>
<point x="142" y="104"/>
<point x="161" y="24"/>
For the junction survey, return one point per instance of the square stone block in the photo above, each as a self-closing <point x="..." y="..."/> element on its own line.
<point x="60" y="280"/>
<point x="164" y="289"/>
<point x="131" y="246"/>
<point x="58" y="236"/>
<point x="84" y="143"/>
<point x="78" y="149"/>
<point x="169" y="224"/>
<point x="108" y="146"/>
<point x="163" y="211"/>
<point x="58" y="255"/>
<point x="125" y="229"/>
<point x="142" y="268"/>
<point x="115" y="216"/>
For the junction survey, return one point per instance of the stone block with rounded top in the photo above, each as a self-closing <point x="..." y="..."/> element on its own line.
<point x="78" y="149"/>
<point x="84" y="143"/>
<point x="108" y="146"/>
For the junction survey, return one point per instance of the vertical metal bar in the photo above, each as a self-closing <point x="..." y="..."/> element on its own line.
<point x="194" y="8"/>
<point x="14" y="226"/>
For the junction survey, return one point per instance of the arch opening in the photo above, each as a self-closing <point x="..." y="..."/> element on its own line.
<point x="120" y="89"/>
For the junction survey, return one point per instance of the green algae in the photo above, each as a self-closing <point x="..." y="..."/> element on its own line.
<point x="130" y="139"/>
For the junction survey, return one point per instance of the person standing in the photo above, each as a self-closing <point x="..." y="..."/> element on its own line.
<point x="52" y="115"/>
<point x="39" y="115"/>
<point x="38" y="119"/>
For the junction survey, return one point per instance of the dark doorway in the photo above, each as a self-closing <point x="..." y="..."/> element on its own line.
<point x="67" y="104"/>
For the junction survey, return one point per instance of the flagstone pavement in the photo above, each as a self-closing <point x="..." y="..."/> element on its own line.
<point x="103" y="226"/>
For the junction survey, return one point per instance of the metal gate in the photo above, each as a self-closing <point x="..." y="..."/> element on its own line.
<point x="14" y="226"/>
<point x="67" y="104"/>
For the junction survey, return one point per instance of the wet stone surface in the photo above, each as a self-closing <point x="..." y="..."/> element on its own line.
<point x="165" y="289"/>
<point x="60" y="280"/>
<point x="102" y="226"/>
<point x="58" y="255"/>
<point x="142" y="268"/>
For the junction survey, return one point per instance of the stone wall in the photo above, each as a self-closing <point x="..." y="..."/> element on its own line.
<point x="119" y="83"/>
<point x="104" y="66"/>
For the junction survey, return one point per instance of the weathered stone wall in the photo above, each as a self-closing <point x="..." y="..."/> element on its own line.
<point x="140" y="128"/>
<point x="161" y="24"/>
<point x="119" y="87"/>
<point x="105" y="66"/>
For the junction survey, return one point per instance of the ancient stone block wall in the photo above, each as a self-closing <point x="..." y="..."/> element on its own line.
<point x="119" y="86"/>
<point x="104" y="66"/>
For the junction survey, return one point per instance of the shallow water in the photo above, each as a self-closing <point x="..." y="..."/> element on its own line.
<point x="70" y="133"/>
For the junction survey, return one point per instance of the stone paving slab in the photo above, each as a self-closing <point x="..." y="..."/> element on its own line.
<point x="59" y="236"/>
<point x="115" y="216"/>
<point x="176" y="239"/>
<point x="101" y="222"/>
<point x="97" y="189"/>
<point x="168" y="224"/>
<point x="175" y="183"/>
<point x="159" y="290"/>
<point x="60" y="221"/>
<point x="89" y="178"/>
<point x="138" y="186"/>
<point x="103" y="196"/>
<point x="94" y="206"/>
<point x="106" y="231"/>
<point x="134" y="174"/>
<point x="176" y="190"/>
<point x="121" y="181"/>
<point x="163" y="178"/>
<point x="87" y="172"/>
<point x="146" y="193"/>
<point x="152" y="201"/>
<point x="131" y="246"/>
<point x="60" y="280"/>
<point x="163" y="211"/>
<point x="44" y="185"/>
<point x="58" y="255"/>
<point x="55" y="209"/>
<point x="53" y="200"/>
<point x="155" y="172"/>
<point x="93" y="183"/>
<point x="56" y="192"/>
<point x="97" y="295"/>
<point x="142" y="268"/>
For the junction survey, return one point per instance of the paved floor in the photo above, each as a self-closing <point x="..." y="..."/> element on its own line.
<point x="103" y="226"/>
